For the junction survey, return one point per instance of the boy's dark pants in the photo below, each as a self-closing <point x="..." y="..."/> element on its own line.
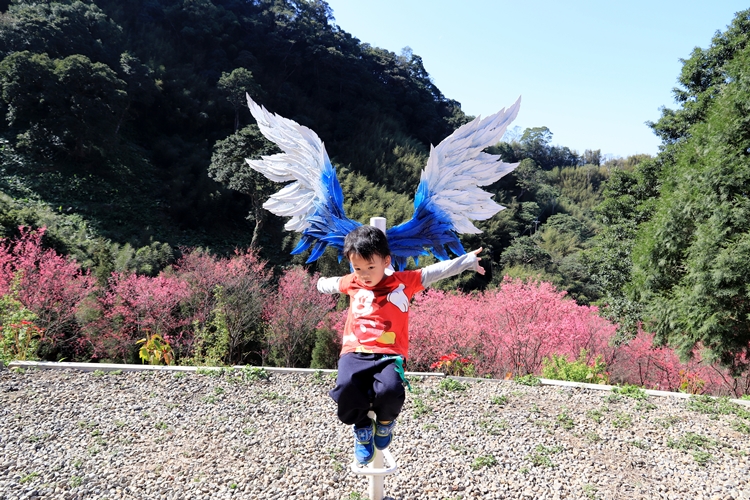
<point x="363" y="379"/>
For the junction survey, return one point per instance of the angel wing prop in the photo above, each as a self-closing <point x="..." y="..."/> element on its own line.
<point x="448" y="196"/>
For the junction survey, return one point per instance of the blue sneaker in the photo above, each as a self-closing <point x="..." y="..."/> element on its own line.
<point x="383" y="434"/>
<point x="364" y="448"/>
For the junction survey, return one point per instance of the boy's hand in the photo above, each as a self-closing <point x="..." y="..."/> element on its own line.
<point x="476" y="252"/>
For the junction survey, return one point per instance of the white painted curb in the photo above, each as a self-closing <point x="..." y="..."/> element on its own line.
<point x="110" y="367"/>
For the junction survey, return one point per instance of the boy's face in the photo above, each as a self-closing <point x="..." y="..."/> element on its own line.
<point x="369" y="272"/>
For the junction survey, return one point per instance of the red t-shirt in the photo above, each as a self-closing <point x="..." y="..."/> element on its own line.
<point x="378" y="320"/>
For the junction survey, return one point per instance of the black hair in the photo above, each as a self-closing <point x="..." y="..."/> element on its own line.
<point x="366" y="241"/>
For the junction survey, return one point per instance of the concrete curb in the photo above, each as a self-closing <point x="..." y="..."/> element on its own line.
<point x="601" y="387"/>
<point x="110" y="367"/>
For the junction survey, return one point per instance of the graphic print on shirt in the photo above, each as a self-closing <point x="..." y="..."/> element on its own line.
<point x="399" y="299"/>
<point x="368" y="330"/>
<point x="378" y="319"/>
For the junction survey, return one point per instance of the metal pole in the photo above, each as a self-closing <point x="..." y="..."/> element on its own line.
<point x="375" y="489"/>
<point x="378" y="222"/>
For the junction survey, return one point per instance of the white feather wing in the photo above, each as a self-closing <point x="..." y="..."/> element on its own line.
<point x="303" y="159"/>
<point x="457" y="167"/>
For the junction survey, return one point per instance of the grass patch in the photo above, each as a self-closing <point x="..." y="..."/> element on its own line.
<point x="541" y="455"/>
<point x="716" y="406"/>
<point x="595" y="415"/>
<point x="668" y="422"/>
<point x="565" y="421"/>
<point x="622" y="420"/>
<point x="631" y="391"/>
<point x="484" y="461"/>
<point x="499" y="400"/>
<point x="691" y="441"/>
<point x="493" y="427"/>
<point x="255" y="373"/>
<point x="529" y="379"/>
<point x="28" y="478"/>
<point x="644" y="406"/>
<point x="639" y="444"/>
<point x="449" y="384"/>
<point x="420" y="408"/>
<point x="697" y="444"/>
<point x="593" y="437"/>
<point x="702" y="457"/>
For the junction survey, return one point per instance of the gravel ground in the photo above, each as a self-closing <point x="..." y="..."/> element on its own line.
<point x="67" y="434"/>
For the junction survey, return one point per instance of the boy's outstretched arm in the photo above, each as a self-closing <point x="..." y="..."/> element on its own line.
<point x="329" y="285"/>
<point x="448" y="268"/>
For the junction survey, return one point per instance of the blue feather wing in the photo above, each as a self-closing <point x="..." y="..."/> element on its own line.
<point x="328" y="224"/>
<point x="314" y="199"/>
<point x="430" y="230"/>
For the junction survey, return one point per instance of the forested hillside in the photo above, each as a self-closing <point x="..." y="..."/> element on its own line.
<point x="112" y="109"/>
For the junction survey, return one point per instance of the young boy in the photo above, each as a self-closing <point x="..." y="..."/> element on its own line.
<point x="376" y="335"/>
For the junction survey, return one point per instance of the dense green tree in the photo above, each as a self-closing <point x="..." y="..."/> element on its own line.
<point x="672" y="251"/>
<point x="535" y="144"/>
<point x="61" y="29"/>
<point x="562" y="235"/>
<point x="524" y="251"/>
<point x="237" y="85"/>
<point x="628" y="200"/>
<point x="229" y="167"/>
<point x="592" y="157"/>
<point x="92" y="102"/>
<point x="528" y="176"/>
<point x="692" y="259"/>
<point x="70" y="103"/>
<point x="25" y="79"/>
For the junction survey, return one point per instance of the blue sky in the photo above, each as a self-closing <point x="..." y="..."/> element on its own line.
<point x="593" y="72"/>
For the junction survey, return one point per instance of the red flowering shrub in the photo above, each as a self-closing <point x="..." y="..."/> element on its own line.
<point x="133" y="308"/>
<point x="49" y="285"/>
<point x="453" y="364"/>
<point x="641" y="363"/>
<point x="507" y="330"/>
<point x="226" y="301"/>
<point x="510" y="330"/>
<point x="440" y="323"/>
<point x="292" y="314"/>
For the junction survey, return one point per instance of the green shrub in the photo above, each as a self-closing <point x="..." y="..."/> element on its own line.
<point x="19" y="336"/>
<point x="559" y="368"/>
<point x="529" y="379"/>
<point x="631" y="391"/>
<point x="449" y="384"/>
<point x="326" y="351"/>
